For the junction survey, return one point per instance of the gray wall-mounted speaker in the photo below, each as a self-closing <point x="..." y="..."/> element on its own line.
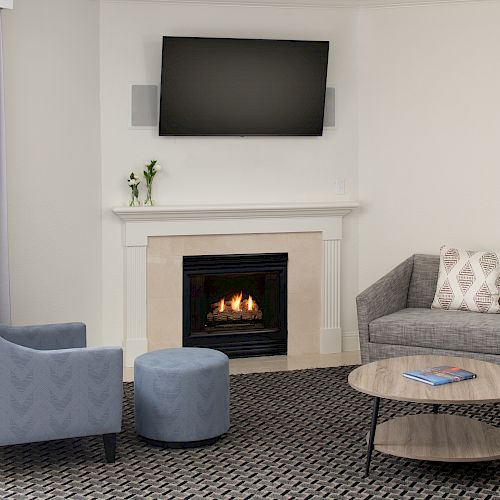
<point x="329" y="119"/>
<point x="144" y="109"/>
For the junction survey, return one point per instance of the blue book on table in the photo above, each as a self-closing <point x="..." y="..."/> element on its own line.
<point x="440" y="375"/>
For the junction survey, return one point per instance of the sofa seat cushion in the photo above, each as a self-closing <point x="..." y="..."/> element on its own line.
<point x="439" y="329"/>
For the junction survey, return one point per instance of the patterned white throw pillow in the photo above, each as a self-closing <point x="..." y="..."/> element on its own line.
<point x="468" y="281"/>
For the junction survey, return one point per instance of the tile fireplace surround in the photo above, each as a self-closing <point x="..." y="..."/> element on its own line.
<point x="157" y="238"/>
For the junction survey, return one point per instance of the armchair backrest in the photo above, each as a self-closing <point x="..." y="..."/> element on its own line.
<point x="46" y="337"/>
<point x="423" y="280"/>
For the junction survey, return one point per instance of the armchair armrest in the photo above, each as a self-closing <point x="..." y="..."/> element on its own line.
<point x="59" y="394"/>
<point x="46" y="337"/>
<point x="386" y="296"/>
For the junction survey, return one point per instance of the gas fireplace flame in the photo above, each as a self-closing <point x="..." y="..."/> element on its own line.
<point x="236" y="302"/>
<point x="226" y="311"/>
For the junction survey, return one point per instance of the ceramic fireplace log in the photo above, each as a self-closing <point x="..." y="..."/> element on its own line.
<point x="234" y="316"/>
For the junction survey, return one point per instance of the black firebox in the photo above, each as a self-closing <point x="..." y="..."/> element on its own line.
<point x="236" y="303"/>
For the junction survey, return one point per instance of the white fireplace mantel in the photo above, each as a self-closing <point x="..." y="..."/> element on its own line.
<point x="254" y="211"/>
<point x="140" y="223"/>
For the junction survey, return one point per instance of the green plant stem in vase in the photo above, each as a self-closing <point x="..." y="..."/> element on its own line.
<point x="134" y="199"/>
<point x="133" y="182"/>
<point x="149" y="201"/>
<point x="149" y="173"/>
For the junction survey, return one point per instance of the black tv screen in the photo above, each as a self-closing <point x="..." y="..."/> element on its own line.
<point x="226" y="86"/>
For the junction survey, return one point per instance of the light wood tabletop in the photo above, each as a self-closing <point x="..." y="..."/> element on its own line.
<point x="385" y="379"/>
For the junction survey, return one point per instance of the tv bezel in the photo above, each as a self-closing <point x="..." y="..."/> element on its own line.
<point x="327" y="42"/>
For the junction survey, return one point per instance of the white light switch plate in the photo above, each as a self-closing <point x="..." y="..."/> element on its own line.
<point x="339" y="186"/>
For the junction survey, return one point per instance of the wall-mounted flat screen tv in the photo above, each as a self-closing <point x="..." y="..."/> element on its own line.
<point x="226" y="86"/>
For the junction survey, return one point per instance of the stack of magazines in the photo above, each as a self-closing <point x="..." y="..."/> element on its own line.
<point x="440" y="375"/>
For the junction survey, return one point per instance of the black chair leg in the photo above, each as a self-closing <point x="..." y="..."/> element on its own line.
<point x="109" y="447"/>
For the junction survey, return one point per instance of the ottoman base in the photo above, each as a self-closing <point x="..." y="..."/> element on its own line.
<point x="181" y="444"/>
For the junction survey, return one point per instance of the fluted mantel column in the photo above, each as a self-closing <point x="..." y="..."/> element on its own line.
<point x="331" y="334"/>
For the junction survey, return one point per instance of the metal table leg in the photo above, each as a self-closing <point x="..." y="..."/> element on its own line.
<point x="373" y="428"/>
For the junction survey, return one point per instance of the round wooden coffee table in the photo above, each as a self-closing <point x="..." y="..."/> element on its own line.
<point x="430" y="436"/>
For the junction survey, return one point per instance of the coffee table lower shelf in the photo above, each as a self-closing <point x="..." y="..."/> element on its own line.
<point x="438" y="437"/>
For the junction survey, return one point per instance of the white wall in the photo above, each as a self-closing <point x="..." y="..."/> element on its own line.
<point x="424" y="143"/>
<point x="429" y="128"/>
<point x="209" y="170"/>
<point x="52" y="120"/>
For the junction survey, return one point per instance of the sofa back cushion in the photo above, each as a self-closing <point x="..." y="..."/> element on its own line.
<point x="423" y="280"/>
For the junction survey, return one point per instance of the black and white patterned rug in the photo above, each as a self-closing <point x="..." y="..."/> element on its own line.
<point x="293" y="435"/>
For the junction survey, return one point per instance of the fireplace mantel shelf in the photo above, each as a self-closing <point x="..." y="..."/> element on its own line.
<point x="249" y="211"/>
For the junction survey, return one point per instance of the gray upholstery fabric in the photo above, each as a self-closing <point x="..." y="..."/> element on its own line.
<point x="439" y="329"/>
<point x="423" y="280"/>
<point x="389" y="294"/>
<point x="383" y="351"/>
<point x="46" y="337"/>
<point x="57" y="394"/>
<point x="395" y="318"/>
<point x="182" y="395"/>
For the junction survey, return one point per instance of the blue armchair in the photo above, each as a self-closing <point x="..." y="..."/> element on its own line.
<point x="53" y="387"/>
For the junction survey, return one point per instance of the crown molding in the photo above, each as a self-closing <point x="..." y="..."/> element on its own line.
<point x="375" y="4"/>
<point x="251" y="3"/>
<point x="355" y="4"/>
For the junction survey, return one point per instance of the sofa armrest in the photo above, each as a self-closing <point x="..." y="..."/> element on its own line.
<point x="388" y="295"/>
<point x="60" y="394"/>
<point x="46" y="337"/>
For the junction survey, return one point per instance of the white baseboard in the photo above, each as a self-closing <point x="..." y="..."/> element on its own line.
<point x="134" y="348"/>
<point x="330" y="340"/>
<point x="350" y="341"/>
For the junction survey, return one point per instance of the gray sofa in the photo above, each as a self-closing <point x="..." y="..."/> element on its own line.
<point x="53" y="387"/>
<point x="395" y="318"/>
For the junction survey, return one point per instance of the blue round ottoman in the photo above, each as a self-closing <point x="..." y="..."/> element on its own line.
<point x="181" y="396"/>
